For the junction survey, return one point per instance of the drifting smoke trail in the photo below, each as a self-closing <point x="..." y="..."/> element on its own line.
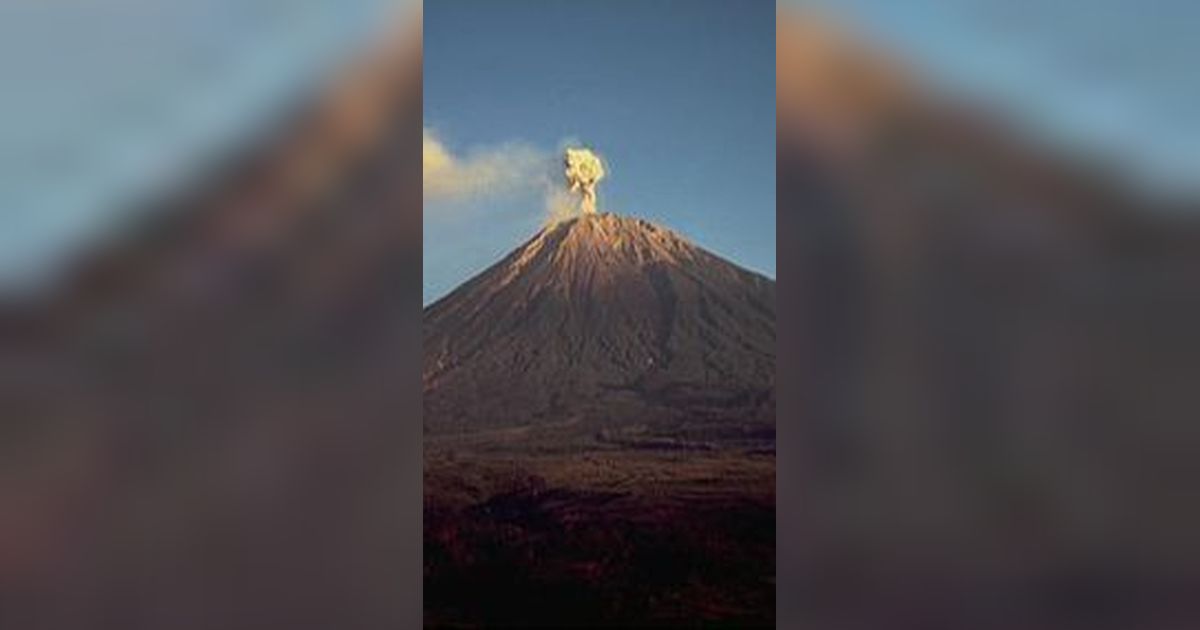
<point x="485" y="172"/>
<point x="584" y="170"/>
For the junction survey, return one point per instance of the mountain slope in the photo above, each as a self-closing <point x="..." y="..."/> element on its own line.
<point x="605" y="321"/>
<point x="599" y="407"/>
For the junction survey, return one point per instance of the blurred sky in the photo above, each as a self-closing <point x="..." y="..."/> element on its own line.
<point x="1112" y="80"/>
<point x="678" y="96"/>
<point x="105" y="104"/>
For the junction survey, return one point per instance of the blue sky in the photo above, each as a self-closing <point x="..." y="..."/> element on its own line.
<point x="104" y="101"/>
<point x="678" y="96"/>
<point x="106" y="104"/>
<point x="1108" y="79"/>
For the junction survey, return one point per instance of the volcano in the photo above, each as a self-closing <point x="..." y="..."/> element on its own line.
<point x="599" y="408"/>
<point x="609" y="324"/>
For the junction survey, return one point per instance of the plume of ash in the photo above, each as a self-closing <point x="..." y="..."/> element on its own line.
<point x="583" y="170"/>
<point x="484" y="172"/>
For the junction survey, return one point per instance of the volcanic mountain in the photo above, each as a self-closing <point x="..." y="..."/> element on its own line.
<point x="609" y="324"/>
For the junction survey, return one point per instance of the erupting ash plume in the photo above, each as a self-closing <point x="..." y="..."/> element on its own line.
<point x="583" y="171"/>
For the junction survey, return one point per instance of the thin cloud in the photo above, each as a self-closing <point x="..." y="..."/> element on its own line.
<point x="482" y="173"/>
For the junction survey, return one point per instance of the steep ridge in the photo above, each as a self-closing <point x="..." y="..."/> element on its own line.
<point x="602" y="319"/>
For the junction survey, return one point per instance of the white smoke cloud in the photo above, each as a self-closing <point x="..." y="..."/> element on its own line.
<point x="481" y="173"/>
<point x="583" y="170"/>
<point x="512" y="169"/>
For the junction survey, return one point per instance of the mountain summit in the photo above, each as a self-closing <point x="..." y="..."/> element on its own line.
<point x="609" y="324"/>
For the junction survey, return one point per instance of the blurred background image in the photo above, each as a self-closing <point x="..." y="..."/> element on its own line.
<point x="209" y="295"/>
<point x="991" y="265"/>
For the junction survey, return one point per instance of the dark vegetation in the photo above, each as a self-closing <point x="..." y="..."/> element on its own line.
<point x="590" y="551"/>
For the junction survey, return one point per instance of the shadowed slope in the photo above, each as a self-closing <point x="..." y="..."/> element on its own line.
<point x="603" y="318"/>
<point x="599" y="447"/>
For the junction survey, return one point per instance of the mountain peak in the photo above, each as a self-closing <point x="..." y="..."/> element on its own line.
<point x="615" y="231"/>
<point x="604" y="245"/>
<point x="601" y="318"/>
